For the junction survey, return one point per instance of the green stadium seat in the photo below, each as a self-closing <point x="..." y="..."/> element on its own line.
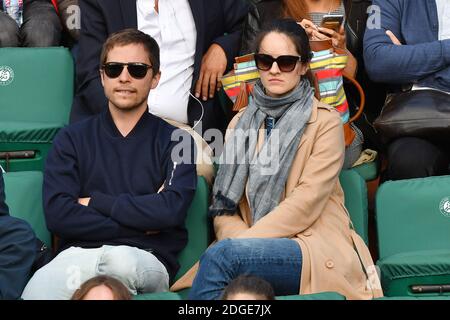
<point x="36" y="90"/>
<point x="413" y="223"/>
<point x="315" y="296"/>
<point x="198" y="241"/>
<point x="355" y="192"/>
<point x="23" y="191"/>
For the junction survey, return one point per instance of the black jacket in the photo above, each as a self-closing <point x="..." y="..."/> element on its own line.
<point x="216" y="21"/>
<point x="17" y="251"/>
<point x="265" y="11"/>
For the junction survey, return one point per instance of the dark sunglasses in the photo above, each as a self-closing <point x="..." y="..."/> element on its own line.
<point x="136" y="69"/>
<point x="286" y="63"/>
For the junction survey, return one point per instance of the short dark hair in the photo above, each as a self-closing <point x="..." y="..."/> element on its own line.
<point x="249" y="284"/>
<point x="293" y="31"/>
<point x="132" y="36"/>
<point x="118" y="289"/>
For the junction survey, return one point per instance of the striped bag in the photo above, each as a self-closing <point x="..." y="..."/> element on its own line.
<point x="326" y="66"/>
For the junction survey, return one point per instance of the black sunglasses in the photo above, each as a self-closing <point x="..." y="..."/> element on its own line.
<point x="286" y="63"/>
<point x="136" y="69"/>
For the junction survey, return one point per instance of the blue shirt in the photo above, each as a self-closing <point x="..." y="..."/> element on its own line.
<point x="422" y="59"/>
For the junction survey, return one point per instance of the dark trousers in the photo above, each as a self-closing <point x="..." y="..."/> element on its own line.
<point x="40" y="28"/>
<point x="410" y="157"/>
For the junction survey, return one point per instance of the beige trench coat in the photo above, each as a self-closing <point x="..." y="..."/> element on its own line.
<point x="312" y="213"/>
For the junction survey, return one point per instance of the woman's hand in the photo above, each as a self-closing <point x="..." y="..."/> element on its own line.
<point x="309" y="27"/>
<point x="338" y="38"/>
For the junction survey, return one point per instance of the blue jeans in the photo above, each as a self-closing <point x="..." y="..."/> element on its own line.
<point x="278" y="261"/>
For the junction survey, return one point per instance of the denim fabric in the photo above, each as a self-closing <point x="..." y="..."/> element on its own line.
<point x="41" y="27"/>
<point x="139" y="270"/>
<point x="278" y="261"/>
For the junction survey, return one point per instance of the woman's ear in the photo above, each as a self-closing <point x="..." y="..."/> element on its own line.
<point x="303" y="69"/>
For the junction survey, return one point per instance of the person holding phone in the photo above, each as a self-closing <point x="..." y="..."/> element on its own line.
<point x="309" y="14"/>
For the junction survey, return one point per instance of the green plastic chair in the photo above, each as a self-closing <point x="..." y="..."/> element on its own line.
<point x="23" y="191"/>
<point x="36" y="90"/>
<point x="355" y="192"/>
<point x="198" y="241"/>
<point x="329" y="295"/>
<point x="413" y="223"/>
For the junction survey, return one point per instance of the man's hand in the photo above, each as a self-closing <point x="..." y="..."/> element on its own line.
<point x="393" y="38"/>
<point x="84" y="201"/>
<point x="214" y="64"/>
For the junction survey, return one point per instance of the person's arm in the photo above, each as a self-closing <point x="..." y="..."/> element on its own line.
<point x="302" y="207"/>
<point x="391" y="63"/>
<point x="221" y="53"/>
<point x="157" y="211"/>
<point x="65" y="217"/>
<point x="251" y="28"/>
<point x="92" y="36"/>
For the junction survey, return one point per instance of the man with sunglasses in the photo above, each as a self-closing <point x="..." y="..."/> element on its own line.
<point x="115" y="192"/>
<point x="198" y="39"/>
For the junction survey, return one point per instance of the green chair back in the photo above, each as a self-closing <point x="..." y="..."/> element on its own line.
<point x="39" y="86"/>
<point x="355" y="192"/>
<point x="197" y="226"/>
<point x="36" y="90"/>
<point x="23" y="191"/>
<point x="413" y="215"/>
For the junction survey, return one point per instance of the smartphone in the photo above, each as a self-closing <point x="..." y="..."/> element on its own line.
<point x="332" y="21"/>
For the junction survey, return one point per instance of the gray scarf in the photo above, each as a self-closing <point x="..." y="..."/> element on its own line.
<point x="266" y="172"/>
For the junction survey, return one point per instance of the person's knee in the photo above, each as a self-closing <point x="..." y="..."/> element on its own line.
<point x="221" y="251"/>
<point x="139" y="271"/>
<point x="120" y="261"/>
<point x="41" y="27"/>
<point x="9" y="31"/>
<point x="415" y="158"/>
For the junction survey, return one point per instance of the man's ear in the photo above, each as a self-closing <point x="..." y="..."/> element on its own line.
<point x="155" y="80"/>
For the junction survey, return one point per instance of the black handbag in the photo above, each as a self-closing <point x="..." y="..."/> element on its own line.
<point x="419" y="113"/>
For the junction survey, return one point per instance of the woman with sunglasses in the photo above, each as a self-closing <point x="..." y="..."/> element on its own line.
<point x="309" y="13"/>
<point x="278" y="208"/>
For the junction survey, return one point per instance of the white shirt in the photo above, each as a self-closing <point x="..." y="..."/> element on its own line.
<point x="174" y="30"/>
<point x="443" y="9"/>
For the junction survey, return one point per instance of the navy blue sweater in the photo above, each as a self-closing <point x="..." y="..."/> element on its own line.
<point x="122" y="175"/>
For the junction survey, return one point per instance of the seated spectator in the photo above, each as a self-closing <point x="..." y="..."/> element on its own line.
<point x="281" y="217"/>
<point x="17" y="250"/>
<point x="102" y="288"/>
<point x="246" y="287"/>
<point x="407" y="59"/>
<point x="198" y="41"/>
<point x="29" y="23"/>
<point x="309" y="13"/>
<point x="113" y="193"/>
